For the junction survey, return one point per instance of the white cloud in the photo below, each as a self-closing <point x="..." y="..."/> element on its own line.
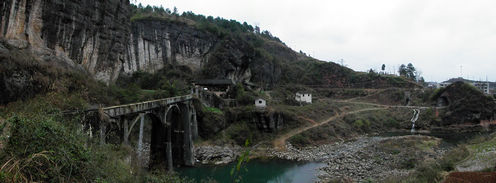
<point x="437" y="36"/>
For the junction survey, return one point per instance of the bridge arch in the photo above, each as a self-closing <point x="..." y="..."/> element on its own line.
<point x="161" y="131"/>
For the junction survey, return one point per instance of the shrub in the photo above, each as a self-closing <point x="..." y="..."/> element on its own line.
<point x="41" y="149"/>
<point x="358" y="123"/>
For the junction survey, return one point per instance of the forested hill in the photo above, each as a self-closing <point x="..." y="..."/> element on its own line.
<point x="245" y="53"/>
<point x="114" y="39"/>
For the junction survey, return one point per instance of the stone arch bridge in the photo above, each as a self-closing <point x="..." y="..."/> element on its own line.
<point x="162" y="131"/>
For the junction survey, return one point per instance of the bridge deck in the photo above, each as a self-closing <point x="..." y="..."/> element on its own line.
<point x="114" y="111"/>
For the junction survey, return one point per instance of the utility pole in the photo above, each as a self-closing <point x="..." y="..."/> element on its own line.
<point x="461" y="71"/>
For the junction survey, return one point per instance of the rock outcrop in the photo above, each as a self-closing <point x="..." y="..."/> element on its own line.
<point x="465" y="104"/>
<point x="91" y="34"/>
<point x="154" y="43"/>
<point x="216" y="155"/>
<point x="100" y="37"/>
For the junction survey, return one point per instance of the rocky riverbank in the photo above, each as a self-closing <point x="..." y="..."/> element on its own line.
<point x="367" y="158"/>
<point x="216" y="155"/>
<point x="359" y="159"/>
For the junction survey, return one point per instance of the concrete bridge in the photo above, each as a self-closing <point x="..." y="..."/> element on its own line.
<point x="165" y="134"/>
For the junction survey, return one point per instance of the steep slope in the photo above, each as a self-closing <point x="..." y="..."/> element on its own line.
<point x="90" y="34"/>
<point x="465" y="104"/>
<point x="111" y="38"/>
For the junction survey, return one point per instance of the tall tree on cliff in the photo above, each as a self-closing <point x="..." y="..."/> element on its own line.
<point x="408" y="71"/>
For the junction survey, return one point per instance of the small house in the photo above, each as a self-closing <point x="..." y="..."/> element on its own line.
<point x="304" y="97"/>
<point x="219" y="87"/>
<point x="260" y="103"/>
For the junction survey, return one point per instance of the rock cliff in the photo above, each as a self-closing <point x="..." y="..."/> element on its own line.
<point x="109" y="38"/>
<point x="99" y="36"/>
<point x="154" y="43"/>
<point x="91" y="34"/>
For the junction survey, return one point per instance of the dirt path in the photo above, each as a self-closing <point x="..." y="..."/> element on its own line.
<point x="307" y="119"/>
<point x="280" y="142"/>
<point x="388" y="106"/>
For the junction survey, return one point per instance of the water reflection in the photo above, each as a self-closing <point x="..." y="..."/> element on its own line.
<point x="273" y="171"/>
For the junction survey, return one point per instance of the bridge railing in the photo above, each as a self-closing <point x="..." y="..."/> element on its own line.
<point x="119" y="110"/>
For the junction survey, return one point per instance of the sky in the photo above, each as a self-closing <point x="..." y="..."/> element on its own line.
<point x="441" y="38"/>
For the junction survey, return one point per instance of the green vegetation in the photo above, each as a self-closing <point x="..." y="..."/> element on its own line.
<point x="242" y="159"/>
<point x="169" y="81"/>
<point x="213" y="109"/>
<point x="266" y="55"/>
<point x="375" y="121"/>
<point x="465" y="101"/>
<point x="433" y="171"/>
<point x="41" y="143"/>
<point x="410" y="72"/>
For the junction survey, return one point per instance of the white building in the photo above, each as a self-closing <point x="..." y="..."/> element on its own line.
<point x="482" y="86"/>
<point x="304" y="97"/>
<point x="444" y="84"/>
<point x="260" y="103"/>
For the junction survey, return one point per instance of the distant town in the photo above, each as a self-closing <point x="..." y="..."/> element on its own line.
<point x="485" y="87"/>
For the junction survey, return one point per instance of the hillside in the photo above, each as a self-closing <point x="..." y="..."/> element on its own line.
<point x="130" y="39"/>
<point x="62" y="60"/>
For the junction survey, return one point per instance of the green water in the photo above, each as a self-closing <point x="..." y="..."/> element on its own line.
<point x="256" y="171"/>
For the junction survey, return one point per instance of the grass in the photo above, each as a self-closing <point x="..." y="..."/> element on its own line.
<point x="434" y="170"/>
<point x="213" y="110"/>
<point x="483" y="144"/>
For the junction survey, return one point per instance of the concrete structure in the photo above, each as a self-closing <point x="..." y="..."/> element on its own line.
<point x="304" y="97"/>
<point x="260" y="103"/>
<point x="482" y="86"/>
<point x="219" y="87"/>
<point x="171" y="126"/>
<point x="432" y="85"/>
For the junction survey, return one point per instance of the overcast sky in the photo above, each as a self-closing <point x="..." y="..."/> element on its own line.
<point x="436" y="36"/>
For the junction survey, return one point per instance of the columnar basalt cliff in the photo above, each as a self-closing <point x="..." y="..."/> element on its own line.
<point x="91" y="34"/>
<point x="154" y="43"/>
<point x="108" y="38"/>
<point x="99" y="36"/>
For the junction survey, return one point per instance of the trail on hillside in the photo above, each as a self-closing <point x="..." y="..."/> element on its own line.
<point x="279" y="143"/>
<point x="388" y="106"/>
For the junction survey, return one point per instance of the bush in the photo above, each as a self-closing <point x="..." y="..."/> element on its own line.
<point x="358" y="123"/>
<point x="299" y="140"/>
<point x="41" y="149"/>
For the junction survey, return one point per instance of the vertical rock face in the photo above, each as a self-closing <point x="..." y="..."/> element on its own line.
<point x="100" y="37"/>
<point x="88" y="33"/>
<point x="154" y="43"/>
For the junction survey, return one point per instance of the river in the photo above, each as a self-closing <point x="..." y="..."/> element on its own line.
<point x="266" y="171"/>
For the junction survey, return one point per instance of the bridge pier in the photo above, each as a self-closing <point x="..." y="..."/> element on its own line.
<point x="194" y="123"/>
<point x="173" y="128"/>
<point x="125" y="135"/>
<point x="188" y="140"/>
<point x="140" y="137"/>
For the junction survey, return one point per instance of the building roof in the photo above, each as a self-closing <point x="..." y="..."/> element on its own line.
<point x="215" y="82"/>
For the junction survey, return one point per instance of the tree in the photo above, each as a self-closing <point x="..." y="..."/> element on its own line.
<point x="148" y="9"/>
<point x="411" y="71"/>
<point x="257" y="29"/>
<point x="408" y="71"/>
<point x="402" y="70"/>
<point x="383" y="67"/>
<point x="174" y="12"/>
